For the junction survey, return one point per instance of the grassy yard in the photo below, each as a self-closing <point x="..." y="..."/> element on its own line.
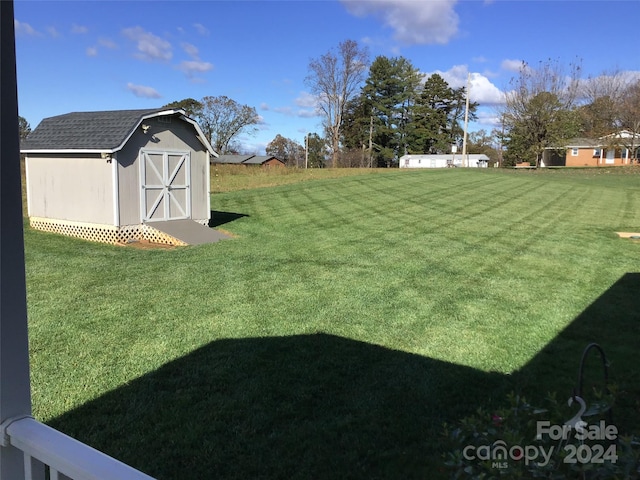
<point x="348" y="319"/>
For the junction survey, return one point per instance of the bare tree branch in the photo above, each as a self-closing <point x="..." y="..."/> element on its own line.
<point x="334" y="79"/>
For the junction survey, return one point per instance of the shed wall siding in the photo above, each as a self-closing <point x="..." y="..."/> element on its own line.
<point x="174" y="136"/>
<point x="71" y="188"/>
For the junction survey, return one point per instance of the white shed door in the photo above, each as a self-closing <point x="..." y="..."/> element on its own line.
<point x="165" y="180"/>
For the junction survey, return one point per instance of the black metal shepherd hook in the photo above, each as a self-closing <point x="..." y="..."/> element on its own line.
<point x="605" y="370"/>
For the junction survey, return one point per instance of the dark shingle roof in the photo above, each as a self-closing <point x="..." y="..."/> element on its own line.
<point x="85" y="130"/>
<point x="243" y="159"/>
<point x="231" y="158"/>
<point x="260" y="159"/>
<point x="582" y="142"/>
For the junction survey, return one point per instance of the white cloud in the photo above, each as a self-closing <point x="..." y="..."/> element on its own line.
<point x="143" y="91"/>
<point x="308" y="104"/>
<point x="511" y="65"/>
<point x="307" y="113"/>
<point x="79" y="29"/>
<point x="413" y="21"/>
<point x="190" y="50"/>
<point x="481" y="89"/>
<point x="53" y="33"/>
<point x="484" y="92"/>
<point x="92" y="51"/>
<point x="107" y="43"/>
<point x="148" y="45"/>
<point x="284" y="110"/>
<point x="24" y="29"/>
<point x="191" y="67"/>
<point x="489" y="118"/>
<point x="201" y="29"/>
<point x="306" y="100"/>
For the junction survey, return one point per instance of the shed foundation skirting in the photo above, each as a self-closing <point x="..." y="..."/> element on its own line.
<point x="105" y="233"/>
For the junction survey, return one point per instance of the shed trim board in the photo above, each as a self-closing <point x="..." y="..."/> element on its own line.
<point x="208" y="184"/>
<point x="26" y="179"/>
<point x="170" y="178"/>
<point x="116" y="189"/>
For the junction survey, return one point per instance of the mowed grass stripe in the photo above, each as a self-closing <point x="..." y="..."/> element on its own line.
<point x="470" y="272"/>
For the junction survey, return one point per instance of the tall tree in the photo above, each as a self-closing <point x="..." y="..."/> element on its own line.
<point x="539" y="109"/>
<point x="410" y="86"/>
<point x="287" y="150"/>
<point x="193" y="108"/>
<point x="389" y="93"/>
<point x="484" y="143"/>
<point x="316" y="151"/>
<point x="431" y="117"/>
<point x="629" y="113"/>
<point x="334" y="79"/>
<point x="24" y="127"/>
<point x="223" y="119"/>
<point x="355" y="124"/>
<point x="599" y="112"/>
<point x="456" y="114"/>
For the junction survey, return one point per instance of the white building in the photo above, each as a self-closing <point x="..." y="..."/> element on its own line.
<point x="444" y="160"/>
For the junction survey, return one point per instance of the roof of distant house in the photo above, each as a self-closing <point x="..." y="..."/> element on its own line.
<point x="245" y="159"/>
<point x="232" y="158"/>
<point x="260" y="159"/>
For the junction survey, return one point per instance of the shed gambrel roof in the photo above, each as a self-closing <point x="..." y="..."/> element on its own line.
<point x="105" y="131"/>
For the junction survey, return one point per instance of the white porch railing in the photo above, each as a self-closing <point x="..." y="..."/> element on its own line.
<point x="29" y="449"/>
<point x="65" y="457"/>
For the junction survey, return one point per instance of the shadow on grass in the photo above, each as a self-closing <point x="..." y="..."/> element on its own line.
<point x="321" y="406"/>
<point x="308" y="406"/>
<point x="612" y="321"/>
<point x="220" y="218"/>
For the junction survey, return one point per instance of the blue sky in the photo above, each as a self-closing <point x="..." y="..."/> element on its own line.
<point x="96" y="55"/>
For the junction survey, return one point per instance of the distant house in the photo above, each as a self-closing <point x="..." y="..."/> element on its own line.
<point x="115" y="176"/>
<point x="262" y="160"/>
<point x="444" y="161"/>
<point x="610" y="150"/>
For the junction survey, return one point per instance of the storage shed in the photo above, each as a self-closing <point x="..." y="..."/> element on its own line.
<point x="116" y="176"/>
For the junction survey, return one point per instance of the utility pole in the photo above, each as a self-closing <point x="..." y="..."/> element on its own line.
<point x="371" y="141"/>
<point x="465" y="158"/>
<point x="306" y="150"/>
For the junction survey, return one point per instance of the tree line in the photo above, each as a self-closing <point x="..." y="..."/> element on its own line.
<point x="372" y="113"/>
<point x="375" y="112"/>
<point x="550" y="104"/>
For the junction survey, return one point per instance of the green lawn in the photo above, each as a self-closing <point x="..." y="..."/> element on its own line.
<point x="348" y="319"/>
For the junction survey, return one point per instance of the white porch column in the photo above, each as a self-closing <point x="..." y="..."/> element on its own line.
<point x="15" y="395"/>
